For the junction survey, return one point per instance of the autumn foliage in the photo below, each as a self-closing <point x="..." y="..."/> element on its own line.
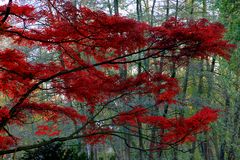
<point x="88" y="45"/>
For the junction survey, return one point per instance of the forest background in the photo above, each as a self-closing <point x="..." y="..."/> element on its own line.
<point x="210" y="82"/>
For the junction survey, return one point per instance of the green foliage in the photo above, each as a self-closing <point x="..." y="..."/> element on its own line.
<point x="113" y="157"/>
<point x="54" y="151"/>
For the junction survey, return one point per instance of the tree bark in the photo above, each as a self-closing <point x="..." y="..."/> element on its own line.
<point x="152" y="12"/>
<point x="116" y="9"/>
<point x="109" y="7"/>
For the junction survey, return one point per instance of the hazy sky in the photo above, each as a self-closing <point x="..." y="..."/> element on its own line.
<point x="3" y="2"/>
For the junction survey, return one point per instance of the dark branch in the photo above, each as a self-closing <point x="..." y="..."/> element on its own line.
<point x="7" y="11"/>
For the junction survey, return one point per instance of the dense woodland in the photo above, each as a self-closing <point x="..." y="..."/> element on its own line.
<point x="120" y="79"/>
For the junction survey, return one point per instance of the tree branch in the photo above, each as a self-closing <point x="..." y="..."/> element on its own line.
<point x="7" y="12"/>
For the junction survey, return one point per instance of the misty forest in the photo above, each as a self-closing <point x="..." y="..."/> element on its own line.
<point x="119" y="80"/>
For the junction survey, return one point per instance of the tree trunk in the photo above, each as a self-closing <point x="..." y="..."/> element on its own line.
<point x="95" y="152"/>
<point x="109" y="7"/>
<point x="208" y="154"/>
<point x="222" y="151"/>
<point x="192" y="151"/>
<point x="167" y="10"/>
<point x="194" y="143"/>
<point x="152" y="12"/>
<point x="185" y="81"/>
<point x="123" y="75"/>
<point x="139" y="10"/>
<point x="116" y="10"/>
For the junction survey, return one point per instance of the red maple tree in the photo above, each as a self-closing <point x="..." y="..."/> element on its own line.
<point x="89" y="48"/>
